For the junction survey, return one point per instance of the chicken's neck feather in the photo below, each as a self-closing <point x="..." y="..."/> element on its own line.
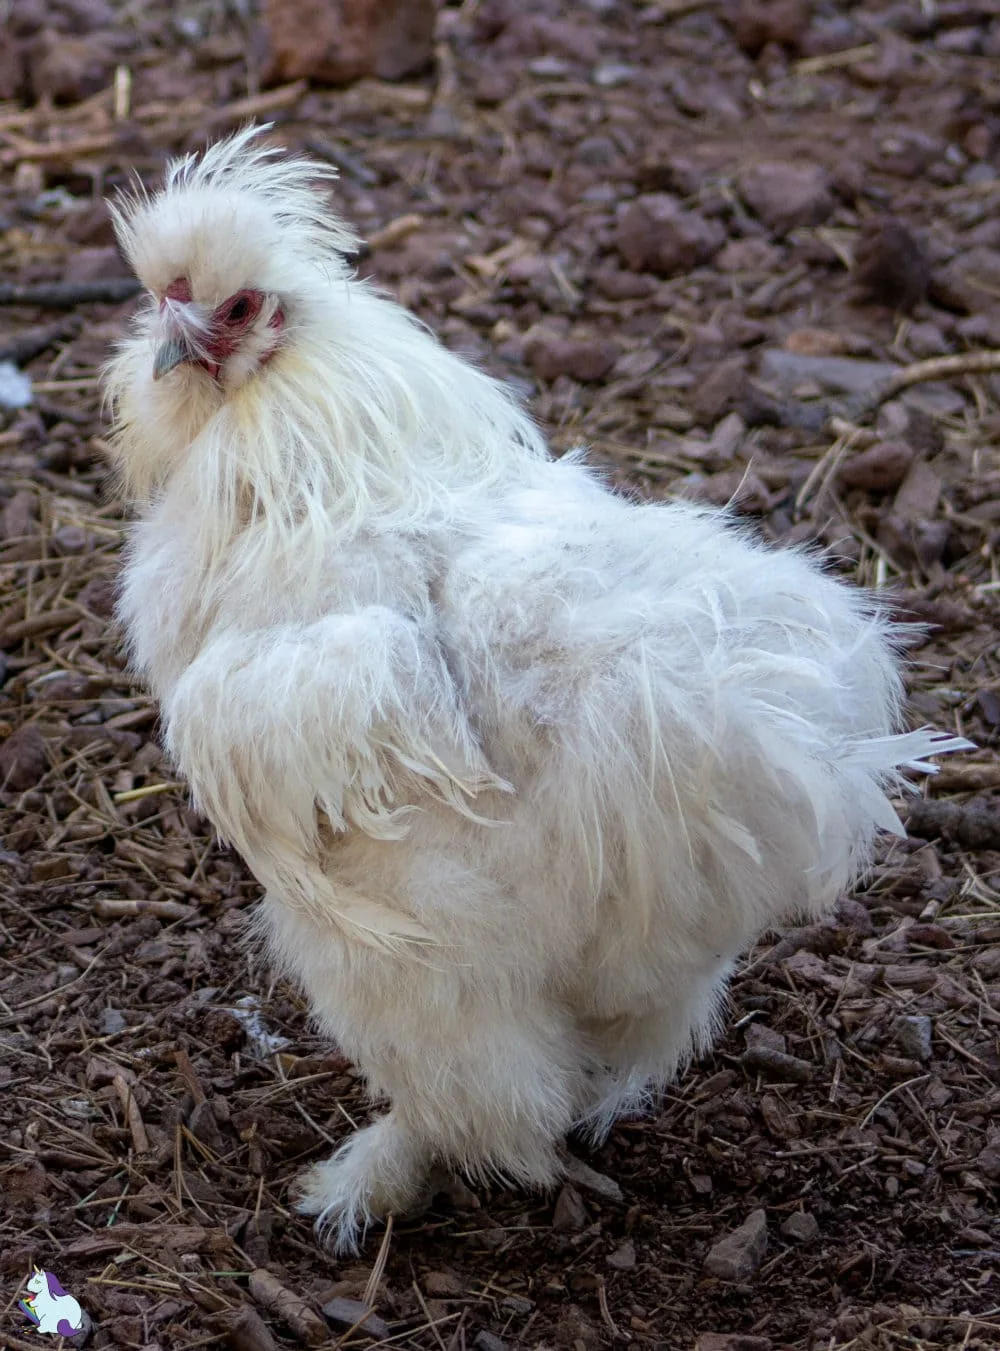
<point x="363" y="421"/>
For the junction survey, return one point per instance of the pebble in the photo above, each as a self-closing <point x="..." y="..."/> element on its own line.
<point x="786" y="194"/>
<point x="23" y="759"/>
<point x="800" y="1226"/>
<point x="969" y="282"/>
<point x="570" y="1213"/>
<point x="15" y="387"/>
<point x="738" y="1255"/>
<point x="112" y="1022"/>
<point x="656" y="234"/>
<point x="719" y="390"/>
<point x="443" y="1284"/>
<point x="587" y="361"/>
<point x="489" y="1341"/>
<point x="623" y="1258"/>
<point x="748" y="255"/>
<point x="338" y="41"/>
<point x="841" y="375"/>
<point x="759" y="22"/>
<point x="517" y="1304"/>
<point x="880" y="468"/>
<point x="890" y="264"/>
<point x="988" y="1162"/>
<point x="347" y="1312"/>
<point x="589" y="1180"/>
<point x="20" y="516"/>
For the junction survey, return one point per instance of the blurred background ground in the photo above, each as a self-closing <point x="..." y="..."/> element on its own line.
<point x="698" y="237"/>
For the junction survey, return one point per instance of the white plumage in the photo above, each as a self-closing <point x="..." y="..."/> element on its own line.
<point x="522" y="766"/>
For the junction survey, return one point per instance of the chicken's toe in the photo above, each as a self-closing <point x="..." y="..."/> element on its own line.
<point x="378" y="1171"/>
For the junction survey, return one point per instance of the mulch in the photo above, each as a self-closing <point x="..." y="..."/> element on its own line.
<point x="574" y="197"/>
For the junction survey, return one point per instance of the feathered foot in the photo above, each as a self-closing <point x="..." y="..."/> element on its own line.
<point x="378" y="1171"/>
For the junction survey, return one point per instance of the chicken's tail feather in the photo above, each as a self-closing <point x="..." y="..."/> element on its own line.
<point x="908" y="750"/>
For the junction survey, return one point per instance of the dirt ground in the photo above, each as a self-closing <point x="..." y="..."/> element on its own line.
<point x="684" y="231"/>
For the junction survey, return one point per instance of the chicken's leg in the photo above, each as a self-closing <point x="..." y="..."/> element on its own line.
<point x="488" y="1094"/>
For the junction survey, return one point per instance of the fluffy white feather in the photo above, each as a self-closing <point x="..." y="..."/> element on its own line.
<point x="522" y="765"/>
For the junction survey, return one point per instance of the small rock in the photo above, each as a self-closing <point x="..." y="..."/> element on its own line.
<point x="890" y="265"/>
<point x="517" y="1304"/>
<point x="443" y="1284"/>
<point x="586" y="361"/>
<point x="589" y="1180"/>
<point x="112" y="1022"/>
<point x="720" y="390"/>
<point x="15" y="387"/>
<point x="492" y="87"/>
<point x="840" y="375"/>
<point x="759" y="1037"/>
<point x="346" y="1313"/>
<point x="489" y="1341"/>
<point x="736" y="1257"/>
<point x="623" y="1258"/>
<point x="203" y="1125"/>
<point x="70" y="539"/>
<point x="69" y="69"/>
<point x="748" y="255"/>
<point x="655" y="234"/>
<point x="785" y="194"/>
<point x="618" y="285"/>
<point x="570" y="1213"/>
<point x="816" y="342"/>
<point x="913" y="1035"/>
<point x="988" y="1162"/>
<point x="969" y="282"/>
<point x="880" y="468"/>
<point x="919" y="493"/>
<point x="245" y="1330"/>
<point x="758" y="22"/>
<point x="337" y="41"/>
<point x="800" y="1227"/>
<point x="23" y="759"/>
<point x="927" y="340"/>
<point x="20" y="516"/>
<point x="854" y="916"/>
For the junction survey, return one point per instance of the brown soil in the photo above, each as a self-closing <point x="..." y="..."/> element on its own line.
<point x="147" y="1137"/>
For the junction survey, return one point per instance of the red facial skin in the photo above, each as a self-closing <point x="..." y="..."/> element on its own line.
<point x="228" y="322"/>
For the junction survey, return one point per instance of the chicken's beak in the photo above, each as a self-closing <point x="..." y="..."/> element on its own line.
<point x="170" y="353"/>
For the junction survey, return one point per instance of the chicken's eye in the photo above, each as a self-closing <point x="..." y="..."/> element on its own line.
<point x="238" y="311"/>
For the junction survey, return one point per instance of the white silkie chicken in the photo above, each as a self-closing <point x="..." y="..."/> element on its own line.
<point x="522" y="766"/>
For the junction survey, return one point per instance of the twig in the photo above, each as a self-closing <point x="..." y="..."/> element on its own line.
<point x="816" y="65"/>
<point x="63" y="295"/>
<point x="918" y="373"/>
<point x="267" y="1290"/>
<point x="107" y="907"/>
<point x="50" y="621"/>
<point x="378" y="1270"/>
<point x="132" y="1114"/>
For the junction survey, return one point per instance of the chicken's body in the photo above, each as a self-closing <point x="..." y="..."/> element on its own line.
<point x="522" y="766"/>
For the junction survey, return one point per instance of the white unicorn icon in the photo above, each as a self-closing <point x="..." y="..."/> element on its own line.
<point x="49" y="1307"/>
